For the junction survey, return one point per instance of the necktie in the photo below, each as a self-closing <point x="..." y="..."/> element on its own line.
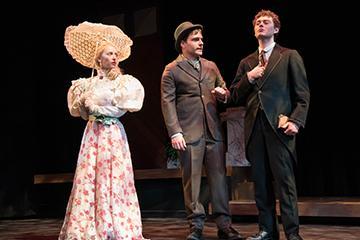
<point x="196" y="65"/>
<point x="262" y="58"/>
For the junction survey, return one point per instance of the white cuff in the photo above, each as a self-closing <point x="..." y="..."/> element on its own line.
<point x="175" y="135"/>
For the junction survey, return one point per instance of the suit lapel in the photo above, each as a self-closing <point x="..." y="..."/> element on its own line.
<point x="203" y="69"/>
<point x="274" y="59"/>
<point x="186" y="66"/>
<point x="253" y="60"/>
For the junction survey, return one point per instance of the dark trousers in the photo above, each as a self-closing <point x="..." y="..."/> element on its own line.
<point x="210" y="154"/>
<point x="271" y="161"/>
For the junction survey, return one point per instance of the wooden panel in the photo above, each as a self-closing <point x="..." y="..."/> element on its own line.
<point x="139" y="174"/>
<point x="157" y="173"/>
<point x="312" y="207"/>
<point x="53" y="178"/>
<point x="330" y="207"/>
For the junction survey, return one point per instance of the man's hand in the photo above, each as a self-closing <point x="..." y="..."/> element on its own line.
<point x="221" y="94"/>
<point x="178" y="142"/>
<point x="255" y="73"/>
<point x="290" y="128"/>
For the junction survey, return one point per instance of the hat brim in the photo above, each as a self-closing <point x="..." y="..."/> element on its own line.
<point x="184" y="33"/>
<point x="82" y="41"/>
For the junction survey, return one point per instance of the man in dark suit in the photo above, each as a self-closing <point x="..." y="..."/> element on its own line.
<point x="190" y="89"/>
<point x="272" y="84"/>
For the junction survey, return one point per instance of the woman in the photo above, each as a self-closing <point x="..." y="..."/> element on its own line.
<point x="103" y="203"/>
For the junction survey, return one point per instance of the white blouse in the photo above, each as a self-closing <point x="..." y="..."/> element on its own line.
<point x="113" y="98"/>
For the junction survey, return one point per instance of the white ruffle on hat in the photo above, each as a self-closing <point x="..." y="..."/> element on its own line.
<point x="82" y="41"/>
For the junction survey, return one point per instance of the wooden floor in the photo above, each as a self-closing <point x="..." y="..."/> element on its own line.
<point x="168" y="229"/>
<point x="344" y="215"/>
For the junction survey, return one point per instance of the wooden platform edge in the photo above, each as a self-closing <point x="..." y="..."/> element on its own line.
<point x="308" y="206"/>
<point x="139" y="174"/>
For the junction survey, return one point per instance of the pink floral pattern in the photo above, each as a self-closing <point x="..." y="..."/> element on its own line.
<point x="103" y="203"/>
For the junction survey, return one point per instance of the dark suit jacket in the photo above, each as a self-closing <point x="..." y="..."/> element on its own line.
<point x="186" y="99"/>
<point x="282" y="90"/>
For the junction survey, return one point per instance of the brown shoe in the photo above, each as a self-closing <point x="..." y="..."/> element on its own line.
<point x="294" y="236"/>
<point x="229" y="234"/>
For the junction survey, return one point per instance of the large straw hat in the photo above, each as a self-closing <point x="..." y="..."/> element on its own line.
<point x="82" y="41"/>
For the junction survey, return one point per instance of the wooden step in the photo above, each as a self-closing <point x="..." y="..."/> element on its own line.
<point x="308" y="206"/>
<point x="139" y="174"/>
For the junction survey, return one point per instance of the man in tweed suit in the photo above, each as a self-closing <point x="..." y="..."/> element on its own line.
<point x="191" y="87"/>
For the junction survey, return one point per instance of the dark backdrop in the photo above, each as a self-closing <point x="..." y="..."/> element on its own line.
<point x="40" y="137"/>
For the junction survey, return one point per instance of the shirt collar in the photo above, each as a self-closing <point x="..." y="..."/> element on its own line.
<point x="193" y="62"/>
<point x="268" y="48"/>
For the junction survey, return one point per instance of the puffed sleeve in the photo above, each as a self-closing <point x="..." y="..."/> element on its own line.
<point x="74" y="98"/>
<point x="129" y="95"/>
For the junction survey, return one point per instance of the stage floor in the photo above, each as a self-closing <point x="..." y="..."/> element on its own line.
<point x="168" y="229"/>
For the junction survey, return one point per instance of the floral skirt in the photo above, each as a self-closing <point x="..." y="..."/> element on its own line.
<point x="103" y="203"/>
